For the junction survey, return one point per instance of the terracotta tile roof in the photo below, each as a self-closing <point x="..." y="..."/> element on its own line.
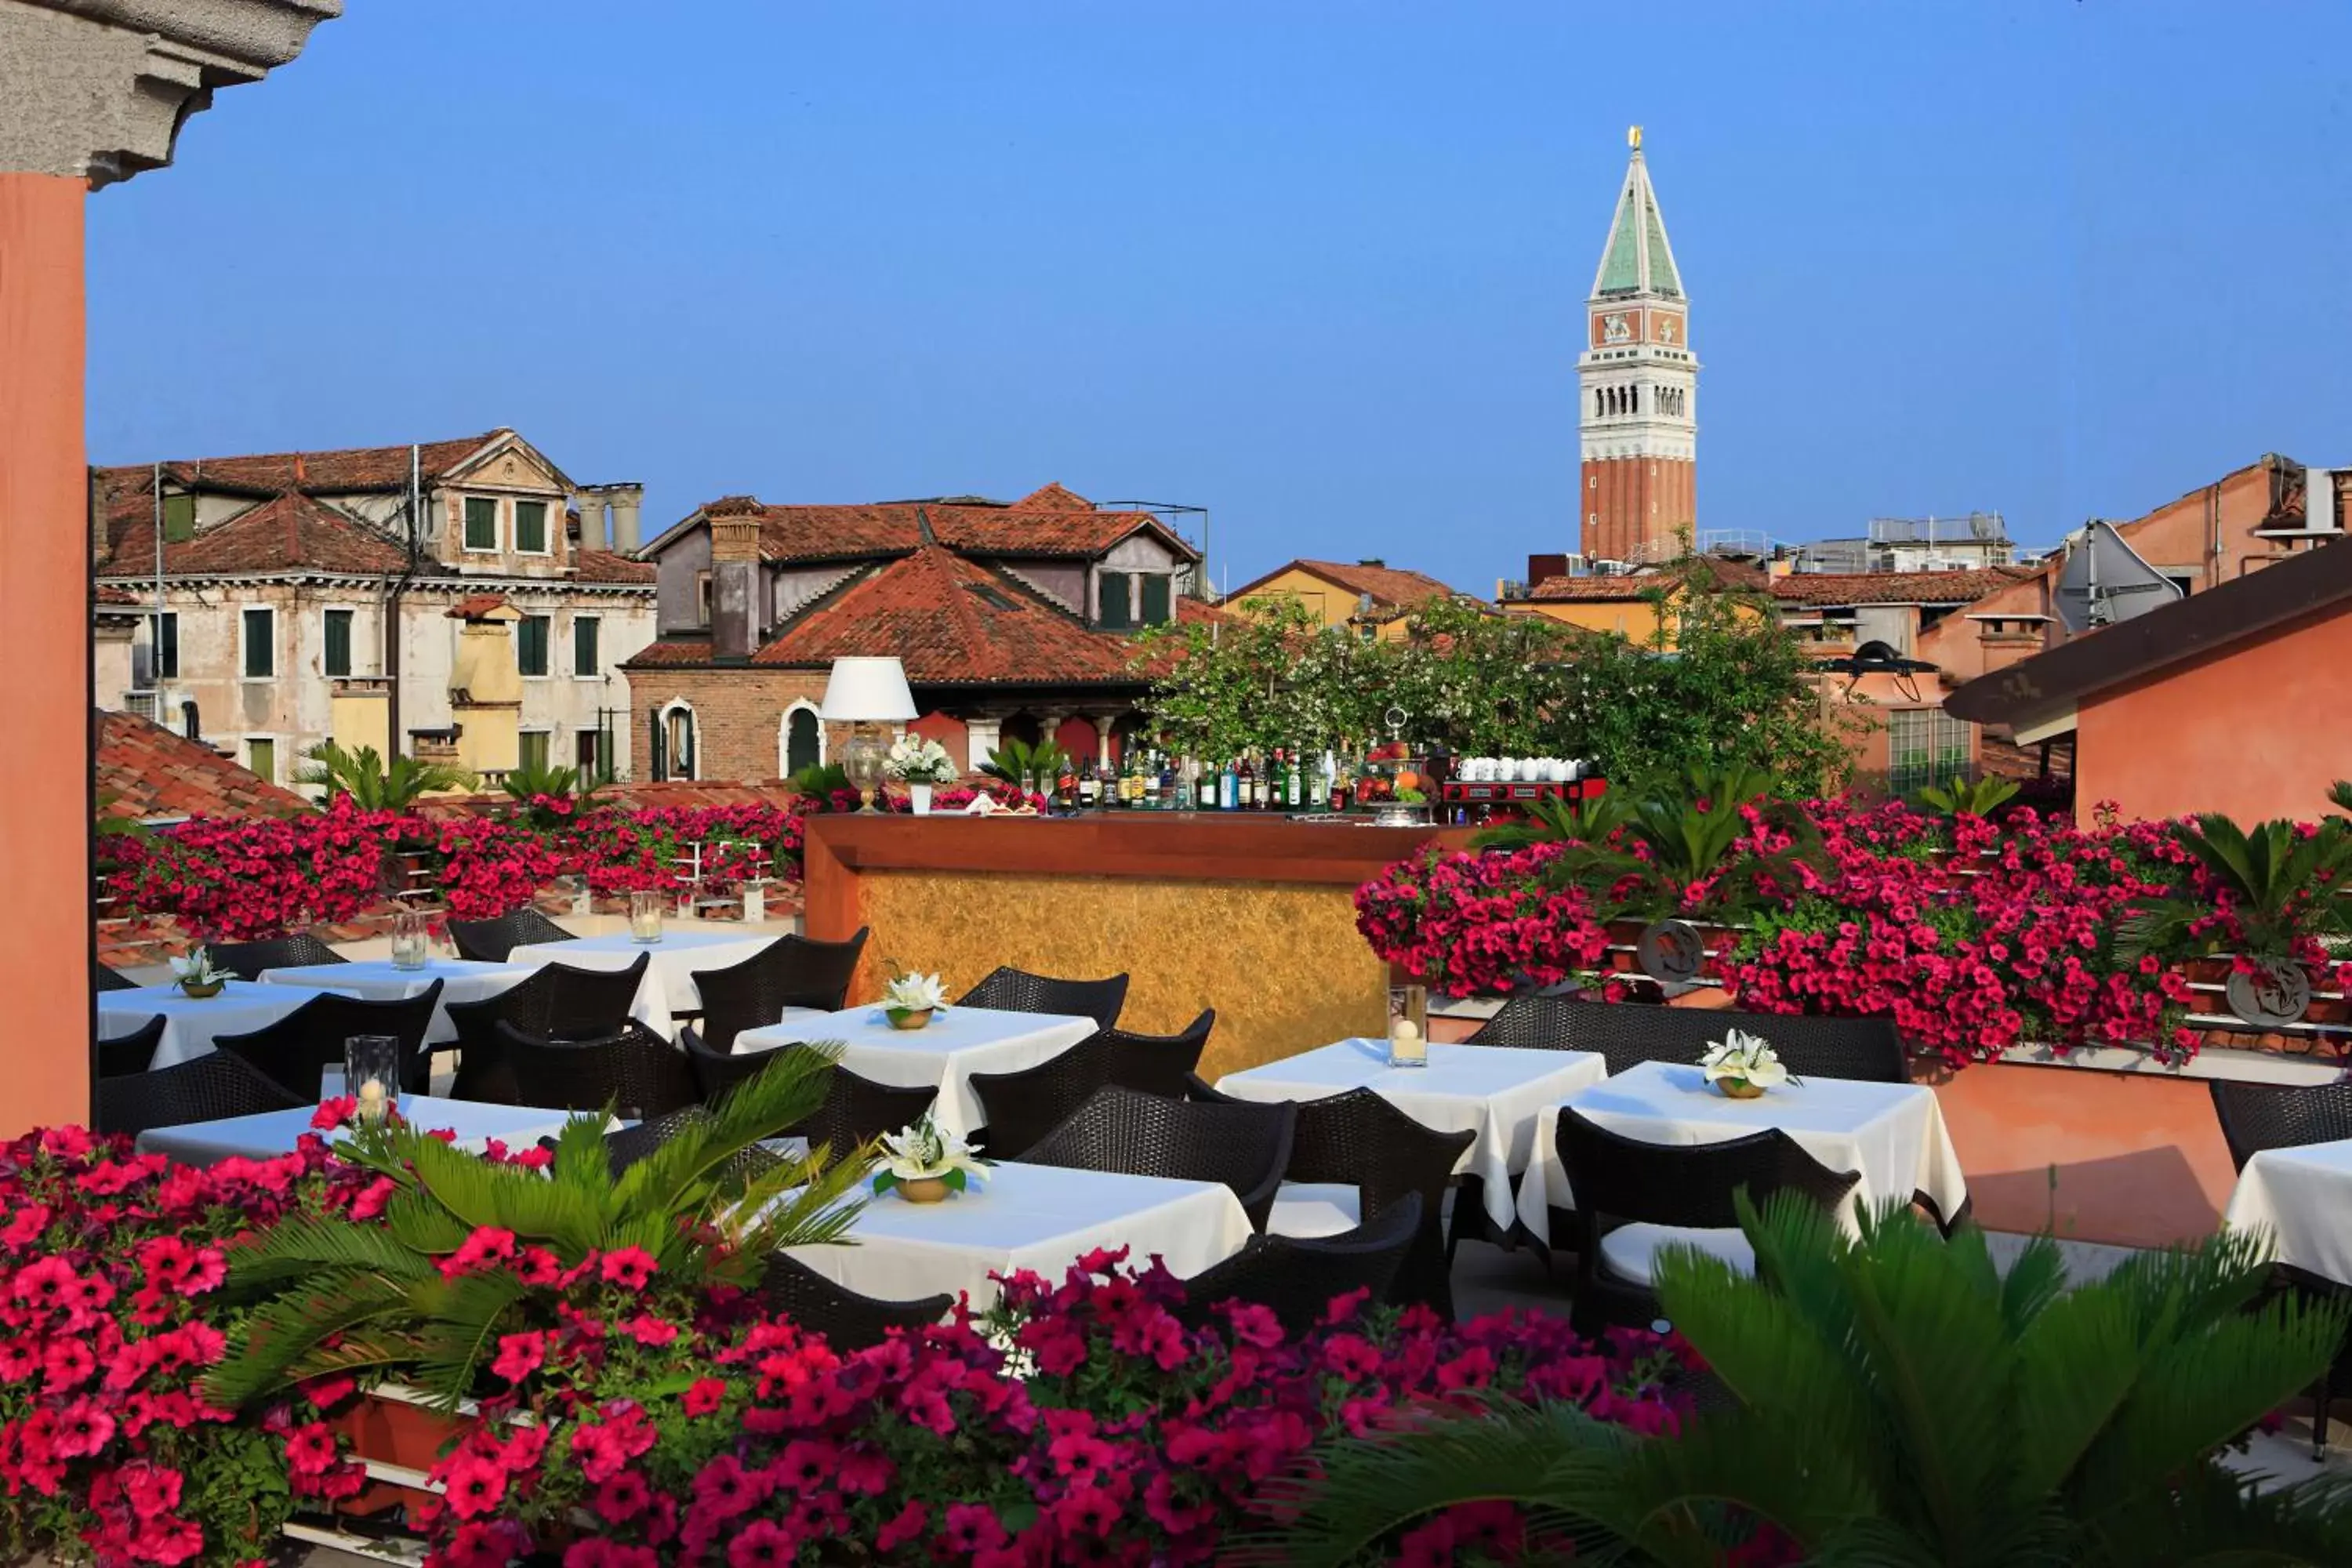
<point x="606" y="567"/>
<point x="350" y="469"/>
<point x="1392" y="588"/>
<point x="107" y="594"/>
<point x="1052" y="521"/>
<point x="476" y="606"/>
<point x="680" y="651"/>
<point x="1718" y="571"/>
<point x="146" y="771"/>
<point x="953" y="622"/>
<point x="288" y="533"/>
<point x="1895" y="587"/>
<point x="1052" y="498"/>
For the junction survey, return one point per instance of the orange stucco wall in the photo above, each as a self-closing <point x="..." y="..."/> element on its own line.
<point x="2257" y="731"/>
<point x="1634" y="619"/>
<point x="45" y="599"/>
<point x="1332" y="604"/>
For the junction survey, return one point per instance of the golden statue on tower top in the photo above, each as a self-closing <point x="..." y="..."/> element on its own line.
<point x="1634" y="137"/>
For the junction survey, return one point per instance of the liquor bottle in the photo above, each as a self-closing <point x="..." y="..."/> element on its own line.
<point x="1248" y="782"/>
<point x="1204" y="787"/>
<point x="1272" y="786"/>
<point x="1089" y="787"/>
<point x="1293" y="782"/>
<point x="1065" y="786"/>
<point x="1229" y="787"/>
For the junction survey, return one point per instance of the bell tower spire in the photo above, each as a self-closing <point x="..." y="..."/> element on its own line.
<point x="1638" y="384"/>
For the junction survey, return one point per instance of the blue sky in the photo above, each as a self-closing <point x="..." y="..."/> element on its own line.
<point x="1318" y="268"/>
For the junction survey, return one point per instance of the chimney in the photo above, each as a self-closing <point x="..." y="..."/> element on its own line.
<point x="593" y="535"/>
<point x="627" y="499"/>
<point x="1541" y="567"/>
<point x="734" y="577"/>
<point x="98" y="507"/>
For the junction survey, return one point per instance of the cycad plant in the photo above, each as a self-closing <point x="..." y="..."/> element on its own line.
<point x="1025" y="766"/>
<point x="1589" y="821"/>
<point x="2282" y="883"/>
<point x="1688" y="832"/>
<point x="338" y="1295"/>
<point x="1969" y="797"/>
<point x="1897" y="1401"/>
<point x="552" y="796"/>
<point x="374" y="785"/>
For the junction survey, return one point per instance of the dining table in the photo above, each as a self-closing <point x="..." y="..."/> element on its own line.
<point x="266" y="1134"/>
<point x="191" y="1023"/>
<point x="1497" y="1092"/>
<point x="670" y="989"/>
<point x="2299" y="1197"/>
<point x="957" y="1042"/>
<point x="380" y="979"/>
<point x="1892" y="1133"/>
<point x="1043" y="1218"/>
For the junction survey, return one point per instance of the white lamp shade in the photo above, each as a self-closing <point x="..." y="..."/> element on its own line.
<point x="868" y="691"/>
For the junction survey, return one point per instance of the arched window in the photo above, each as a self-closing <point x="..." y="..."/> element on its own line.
<point x="1633" y="394"/>
<point x="804" y="739"/>
<point x="673" y="742"/>
<point x="1021" y="727"/>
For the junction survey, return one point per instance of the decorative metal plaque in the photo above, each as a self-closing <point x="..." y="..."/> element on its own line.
<point x="1672" y="952"/>
<point x="2278" y="992"/>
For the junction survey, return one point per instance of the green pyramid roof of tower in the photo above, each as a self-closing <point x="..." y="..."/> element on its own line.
<point x="1638" y="236"/>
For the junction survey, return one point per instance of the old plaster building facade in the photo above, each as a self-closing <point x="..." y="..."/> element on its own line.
<point x="310" y="596"/>
<point x="1639" y="384"/>
<point x="1012" y="619"/>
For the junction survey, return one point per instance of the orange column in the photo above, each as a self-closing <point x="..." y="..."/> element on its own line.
<point x="45" y="792"/>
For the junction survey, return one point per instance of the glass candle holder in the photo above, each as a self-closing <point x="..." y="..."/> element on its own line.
<point x="412" y="941"/>
<point x="1408" y="1026"/>
<point x="645" y="915"/>
<point x="372" y="1073"/>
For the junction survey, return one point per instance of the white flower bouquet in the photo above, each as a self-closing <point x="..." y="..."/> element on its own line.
<point x="1743" y="1066"/>
<point x="910" y="1000"/>
<point x="924" y="1164"/>
<point x="918" y="760"/>
<point x="196" y="976"/>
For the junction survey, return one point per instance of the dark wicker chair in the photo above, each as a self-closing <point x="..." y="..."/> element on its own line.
<point x="1619" y="1180"/>
<point x="1246" y="1147"/>
<point x="2257" y="1116"/>
<point x="132" y="1052"/>
<point x="1629" y="1033"/>
<point x="295" y="1048"/>
<point x="858" y="1111"/>
<point x="247" y="960"/>
<point x="635" y="1072"/>
<point x="556" y="1003"/>
<point x="1025" y="1106"/>
<point x="1361" y="1140"/>
<point x="206" y="1088"/>
<point x="1018" y="991"/>
<point x="848" y="1321"/>
<point x="105" y="979"/>
<point x="790" y="971"/>
<point x="490" y="941"/>
<point x="1297" y="1276"/>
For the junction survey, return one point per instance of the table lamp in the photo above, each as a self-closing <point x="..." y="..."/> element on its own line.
<point x="866" y="690"/>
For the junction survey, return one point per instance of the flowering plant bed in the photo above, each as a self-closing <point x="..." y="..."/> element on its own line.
<point x="1973" y="938"/>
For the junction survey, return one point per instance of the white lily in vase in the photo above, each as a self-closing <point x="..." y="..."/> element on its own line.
<point x="924" y="1164"/>
<point x="196" y="975"/>
<point x="1743" y="1066"/>
<point x="910" y="1000"/>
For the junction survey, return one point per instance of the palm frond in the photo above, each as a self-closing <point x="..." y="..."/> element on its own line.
<point x="300" y="1244"/>
<point x="461" y="1332"/>
<point x="285" y="1333"/>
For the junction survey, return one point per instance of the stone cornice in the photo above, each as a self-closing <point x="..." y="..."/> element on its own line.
<point x="100" y="88"/>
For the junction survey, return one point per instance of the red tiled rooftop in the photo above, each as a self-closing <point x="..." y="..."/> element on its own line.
<point x="146" y="771"/>
<point x="1050" y="522"/>
<point x="347" y="469"/>
<point x="606" y="567"/>
<point x="289" y="531"/>
<point x="1896" y="587"/>
<point x="1389" y="587"/>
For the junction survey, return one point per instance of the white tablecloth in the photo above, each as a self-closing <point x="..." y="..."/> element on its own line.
<point x="669" y="987"/>
<point x="956" y="1044"/>
<point x="1892" y="1132"/>
<point x="1030" y="1216"/>
<point x="274" y="1132"/>
<point x="1495" y="1091"/>
<point x="2303" y="1197"/>
<point x="377" y="980"/>
<point x="190" y="1026"/>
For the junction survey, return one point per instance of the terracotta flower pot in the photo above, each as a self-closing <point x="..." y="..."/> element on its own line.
<point x="908" y="1017"/>
<point x="922" y="1190"/>
<point x="395" y="1434"/>
<point x="1739" y="1088"/>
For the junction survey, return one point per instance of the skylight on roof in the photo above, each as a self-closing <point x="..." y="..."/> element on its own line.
<point x="990" y="596"/>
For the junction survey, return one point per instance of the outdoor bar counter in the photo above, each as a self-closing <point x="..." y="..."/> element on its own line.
<point x="1252" y="915"/>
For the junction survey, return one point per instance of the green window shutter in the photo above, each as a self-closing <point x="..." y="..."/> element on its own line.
<point x="530" y="526"/>
<point x="261" y="756"/>
<point x="583" y="646"/>
<point x="533" y="750"/>
<point x="167" y="646"/>
<point x="261" y="656"/>
<point x="1112" y="596"/>
<point x="178" y="519"/>
<point x="482" y="523"/>
<point x="339" y="642"/>
<point x="1157" y="608"/>
<point x="531" y="647"/>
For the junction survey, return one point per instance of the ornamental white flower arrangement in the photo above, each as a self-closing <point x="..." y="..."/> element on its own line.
<point x="918" y="760"/>
<point x="923" y="1153"/>
<point x="910" y="1000"/>
<point x="197" y="976"/>
<point x="1743" y="1066"/>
